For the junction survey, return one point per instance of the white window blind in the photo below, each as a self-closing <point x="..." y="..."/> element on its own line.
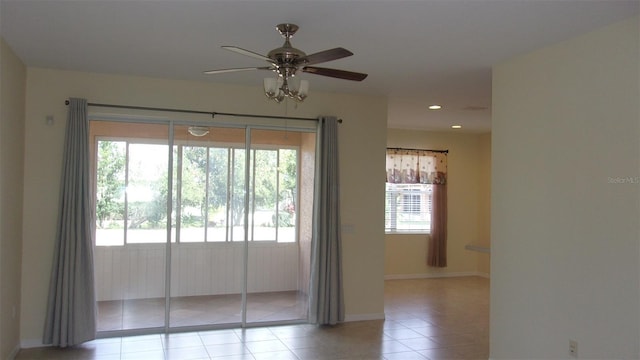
<point x="408" y="207"/>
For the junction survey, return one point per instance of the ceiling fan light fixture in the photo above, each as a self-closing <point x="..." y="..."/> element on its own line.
<point x="298" y="89"/>
<point x="303" y="90"/>
<point x="277" y="89"/>
<point x="272" y="86"/>
<point x="273" y="89"/>
<point x="198" y="130"/>
<point x="294" y="84"/>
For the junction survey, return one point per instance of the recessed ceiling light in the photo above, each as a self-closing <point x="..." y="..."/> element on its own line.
<point x="456" y="126"/>
<point x="435" y="107"/>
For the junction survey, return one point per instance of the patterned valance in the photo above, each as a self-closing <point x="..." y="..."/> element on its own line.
<point x="414" y="166"/>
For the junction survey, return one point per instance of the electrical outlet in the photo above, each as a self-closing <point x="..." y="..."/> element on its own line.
<point x="573" y="348"/>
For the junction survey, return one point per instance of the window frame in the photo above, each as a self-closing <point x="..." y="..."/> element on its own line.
<point x="412" y="190"/>
<point x="230" y="147"/>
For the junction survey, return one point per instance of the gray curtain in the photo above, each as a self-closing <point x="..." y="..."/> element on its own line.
<point x="326" y="303"/>
<point x="71" y="308"/>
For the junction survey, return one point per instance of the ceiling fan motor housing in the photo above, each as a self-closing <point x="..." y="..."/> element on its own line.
<point x="285" y="57"/>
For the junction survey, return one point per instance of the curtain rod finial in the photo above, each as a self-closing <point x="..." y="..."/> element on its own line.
<point x="66" y="102"/>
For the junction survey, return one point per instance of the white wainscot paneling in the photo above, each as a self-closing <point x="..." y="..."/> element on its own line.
<point x="132" y="272"/>
<point x="272" y="268"/>
<point x="138" y="271"/>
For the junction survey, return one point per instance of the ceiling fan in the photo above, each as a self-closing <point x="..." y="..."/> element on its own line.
<point x="287" y="61"/>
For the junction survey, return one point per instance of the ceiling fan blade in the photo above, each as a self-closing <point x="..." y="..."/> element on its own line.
<point x="324" y="56"/>
<point x="335" y="73"/>
<point x="221" y="71"/>
<point x="247" y="53"/>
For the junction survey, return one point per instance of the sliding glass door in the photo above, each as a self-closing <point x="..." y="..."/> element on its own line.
<point x="201" y="227"/>
<point x="131" y="179"/>
<point x="207" y="258"/>
<point x="276" y="290"/>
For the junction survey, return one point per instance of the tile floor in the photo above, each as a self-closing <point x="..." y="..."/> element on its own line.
<point x="425" y="319"/>
<point x="201" y="310"/>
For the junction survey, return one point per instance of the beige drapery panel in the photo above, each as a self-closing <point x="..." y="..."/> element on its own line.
<point x="415" y="166"/>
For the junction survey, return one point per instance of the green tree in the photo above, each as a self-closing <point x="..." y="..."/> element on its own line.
<point x="269" y="170"/>
<point x="237" y="187"/>
<point x="266" y="173"/>
<point x="148" y="182"/>
<point x="288" y="177"/>
<point x="110" y="181"/>
<point x="288" y="170"/>
<point x="193" y="183"/>
<point x="218" y="179"/>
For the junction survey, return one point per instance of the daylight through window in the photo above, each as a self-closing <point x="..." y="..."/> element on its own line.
<point x="208" y="193"/>
<point x="408" y="207"/>
<point x="413" y="176"/>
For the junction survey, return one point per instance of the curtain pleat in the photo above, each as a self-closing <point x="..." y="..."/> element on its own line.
<point x="326" y="303"/>
<point x="437" y="249"/>
<point x="71" y="307"/>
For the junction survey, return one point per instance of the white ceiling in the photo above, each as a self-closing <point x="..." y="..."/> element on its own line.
<point x="415" y="52"/>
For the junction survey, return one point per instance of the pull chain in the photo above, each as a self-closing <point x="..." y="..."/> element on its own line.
<point x="286" y="118"/>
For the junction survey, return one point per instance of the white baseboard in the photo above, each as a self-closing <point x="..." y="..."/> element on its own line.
<point x="363" y="317"/>
<point x="14" y="353"/>
<point x="434" y="275"/>
<point x="31" y="343"/>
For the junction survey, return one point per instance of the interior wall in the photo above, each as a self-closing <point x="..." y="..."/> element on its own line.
<point x="565" y="200"/>
<point x="363" y="116"/>
<point x="12" y="115"/>
<point x="467" y="206"/>
<point x="484" y="206"/>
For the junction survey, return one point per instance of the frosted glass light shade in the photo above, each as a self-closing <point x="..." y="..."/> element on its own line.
<point x="198" y="130"/>
<point x="303" y="90"/>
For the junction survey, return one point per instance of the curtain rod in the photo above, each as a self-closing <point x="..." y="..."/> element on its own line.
<point x="212" y="113"/>
<point x="437" y="151"/>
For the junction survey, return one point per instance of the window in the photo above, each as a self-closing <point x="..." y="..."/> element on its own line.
<point x="408" y="207"/>
<point x="208" y="193"/>
<point x="411" y="201"/>
<point x="414" y="178"/>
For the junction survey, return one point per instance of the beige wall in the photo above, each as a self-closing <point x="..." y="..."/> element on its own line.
<point x="363" y="116"/>
<point x="566" y="199"/>
<point x="12" y="114"/>
<point x="484" y="205"/>
<point x="467" y="202"/>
